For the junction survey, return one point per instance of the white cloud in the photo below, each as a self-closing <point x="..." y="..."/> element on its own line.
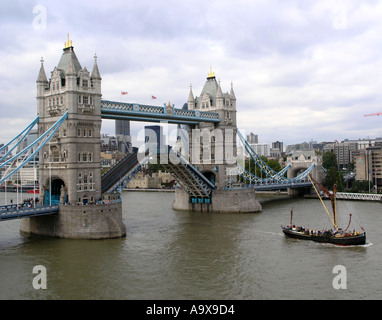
<point x="301" y="70"/>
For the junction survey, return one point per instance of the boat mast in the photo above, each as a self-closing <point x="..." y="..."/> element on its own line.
<point x="331" y="197"/>
<point x="334" y="205"/>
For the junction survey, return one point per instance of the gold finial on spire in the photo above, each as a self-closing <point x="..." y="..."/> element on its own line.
<point x="211" y="74"/>
<point x="68" y="43"/>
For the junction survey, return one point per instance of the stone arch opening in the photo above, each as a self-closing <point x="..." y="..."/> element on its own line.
<point x="294" y="172"/>
<point x="54" y="191"/>
<point x="210" y="176"/>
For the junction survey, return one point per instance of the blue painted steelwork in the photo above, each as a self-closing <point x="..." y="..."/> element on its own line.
<point x="21" y="136"/>
<point x="121" y="181"/>
<point x="273" y="186"/>
<point x="27" y="212"/>
<point x="43" y="139"/>
<point x="193" y="182"/>
<point x="137" y="112"/>
<point x="277" y="178"/>
<point x="252" y="178"/>
<point x="281" y="185"/>
<point x="270" y="173"/>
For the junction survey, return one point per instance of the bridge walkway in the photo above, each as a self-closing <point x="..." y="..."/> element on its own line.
<point x="111" y="178"/>
<point x="15" y="212"/>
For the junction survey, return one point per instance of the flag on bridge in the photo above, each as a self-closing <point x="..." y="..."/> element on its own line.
<point x="123" y="92"/>
<point x="153" y="97"/>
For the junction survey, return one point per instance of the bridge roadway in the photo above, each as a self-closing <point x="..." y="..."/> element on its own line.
<point x="110" y="180"/>
<point x="194" y="182"/>
<point x="17" y="212"/>
<point x="273" y="186"/>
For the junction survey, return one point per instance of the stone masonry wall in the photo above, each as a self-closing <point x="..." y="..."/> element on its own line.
<point x="95" y="221"/>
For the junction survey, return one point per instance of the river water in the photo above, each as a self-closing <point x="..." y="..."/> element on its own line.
<point x="169" y="254"/>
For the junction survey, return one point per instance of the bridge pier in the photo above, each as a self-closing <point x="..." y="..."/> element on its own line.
<point x="222" y="201"/>
<point x="298" y="191"/>
<point x="91" y="221"/>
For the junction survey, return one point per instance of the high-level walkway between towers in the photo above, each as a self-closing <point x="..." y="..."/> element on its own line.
<point x="138" y="112"/>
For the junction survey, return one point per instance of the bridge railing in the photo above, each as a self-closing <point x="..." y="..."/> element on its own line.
<point x="124" y="110"/>
<point x="25" y="212"/>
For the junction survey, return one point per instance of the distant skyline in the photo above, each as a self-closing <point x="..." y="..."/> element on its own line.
<point x="301" y="70"/>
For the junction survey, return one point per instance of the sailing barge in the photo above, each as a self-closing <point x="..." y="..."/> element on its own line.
<point x="336" y="236"/>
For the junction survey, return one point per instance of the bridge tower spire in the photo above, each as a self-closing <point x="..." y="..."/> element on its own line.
<point x="213" y="151"/>
<point x="69" y="166"/>
<point x="76" y="146"/>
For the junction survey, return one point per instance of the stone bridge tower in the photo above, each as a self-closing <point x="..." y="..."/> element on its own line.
<point x="213" y="150"/>
<point x="300" y="161"/>
<point x="69" y="165"/>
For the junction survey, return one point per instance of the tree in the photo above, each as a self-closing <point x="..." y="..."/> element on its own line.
<point x="329" y="162"/>
<point x="251" y="167"/>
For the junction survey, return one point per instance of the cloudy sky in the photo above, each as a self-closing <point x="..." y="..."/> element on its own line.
<point x="301" y="70"/>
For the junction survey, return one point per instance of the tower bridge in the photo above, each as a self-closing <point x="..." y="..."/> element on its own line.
<point x="70" y="112"/>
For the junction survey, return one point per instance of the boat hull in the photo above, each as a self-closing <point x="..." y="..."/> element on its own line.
<point x="349" y="240"/>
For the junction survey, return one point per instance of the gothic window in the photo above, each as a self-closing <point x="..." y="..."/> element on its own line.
<point x="85" y="83"/>
<point x="85" y="181"/>
<point x="84" y="157"/>
<point x="90" y="132"/>
<point x="90" y="100"/>
<point x="85" y="99"/>
<point x="84" y="132"/>
<point x="61" y="100"/>
<point x="78" y="132"/>
<point x="56" y="155"/>
<point x="79" y="157"/>
<point x="90" y="180"/>
<point x="90" y="157"/>
<point x="64" y="132"/>
<point x="79" y="99"/>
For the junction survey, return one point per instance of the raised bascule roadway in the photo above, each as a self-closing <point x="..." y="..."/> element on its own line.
<point x="70" y="112"/>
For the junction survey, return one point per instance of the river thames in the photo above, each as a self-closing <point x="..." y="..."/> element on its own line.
<point x="171" y="255"/>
